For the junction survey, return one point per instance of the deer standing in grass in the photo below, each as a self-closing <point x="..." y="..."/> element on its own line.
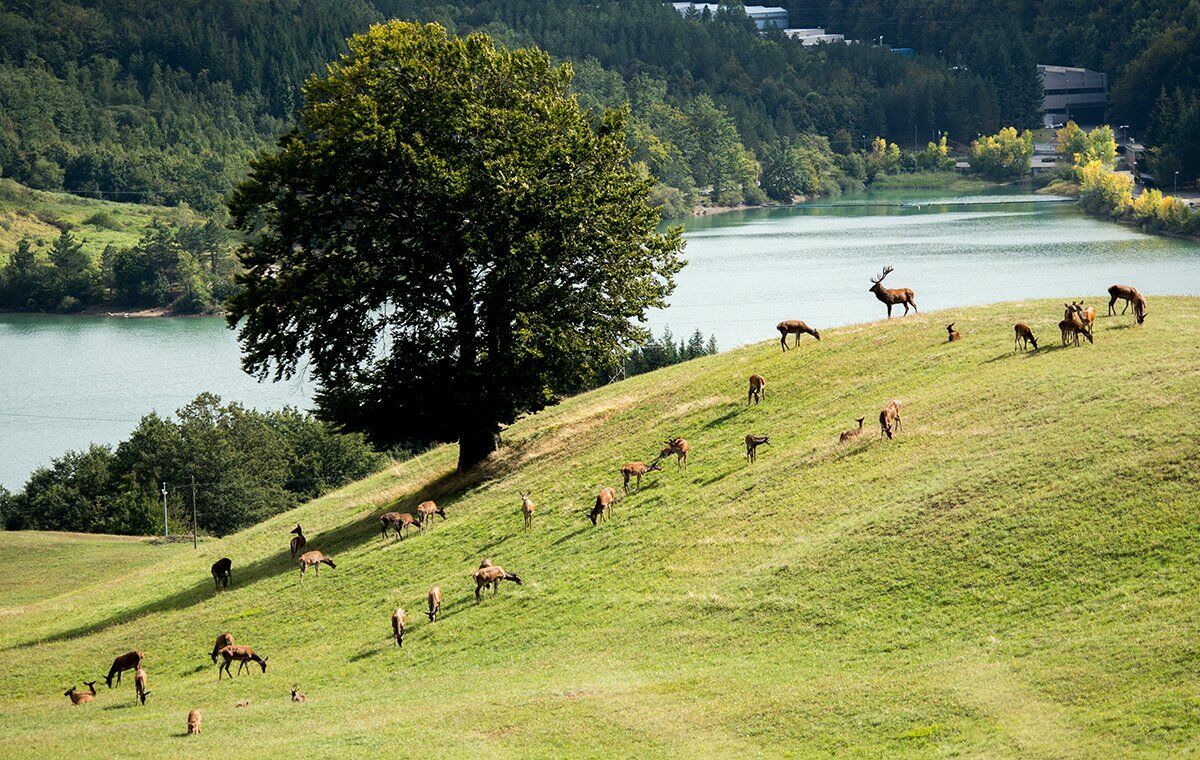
<point x="892" y="296"/>
<point x="397" y="521"/>
<point x="1022" y="337"/>
<point x="491" y="576"/>
<point x="425" y="512"/>
<point x="752" y="444"/>
<point x="298" y="542"/>
<point x="637" y="470"/>
<point x="399" y="618"/>
<point x="224" y="640"/>
<point x="1072" y="325"/>
<point x="139" y="685"/>
<point x="81" y="697"/>
<point x="604" y="502"/>
<point x="193" y="723"/>
<point x="889" y="419"/>
<point x="952" y="334"/>
<point x="527" y="508"/>
<point x="758" y="389"/>
<point x="680" y="448"/>
<point x="222" y="572"/>
<point x="852" y="434"/>
<point x="1086" y="315"/>
<point x="313" y="559"/>
<point x="1129" y="295"/>
<point x="435" y="603"/>
<point x="243" y="655"/>
<point x="127" y="661"/>
<point x="794" y="327"/>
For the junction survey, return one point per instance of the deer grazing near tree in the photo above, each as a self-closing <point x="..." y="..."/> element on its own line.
<point x="1072" y="325"/>
<point x="952" y="334"/>
<point x="853" y="433"/>
<point x="425" y="512"/>
<point x="81" y="697"/>
<point x="604" y="502"/>
<point x="527" y="508"/>
<point x="193" y="722"/>
<point x="313" y="559"/>
<point x="637" y="470"/>
<point x="243" y="655"/>
<point x="224" y="640"/>
<point x="892" y="296"/>
<point x="794" y="327"/>
<point x="298" y="542"/>
<point x="222" y="572"/>
<point x="1129" y="295"/>
<point x="397" y="521"/>
<point x="758" y="389"/>
<point x="1022" y="337"/>
<point x="399" y="618"/>
<point x="435" y="603"/>
<point x="491" y="576"/>
<point x="127" y="661"/>
<point x="889" y="419"/>
<point x="139" y="685"/>
<point x="752" y="444"/>
<point x="680" y="448"/>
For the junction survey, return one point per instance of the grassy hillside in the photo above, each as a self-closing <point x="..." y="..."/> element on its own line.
<point x="1014" y="575"/>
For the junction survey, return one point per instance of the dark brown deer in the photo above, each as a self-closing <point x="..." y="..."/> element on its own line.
<point x="758" y="389"/>
<point x="794" y="327"/>
<point x="752" y="444"/>
<point x="193" y="722"/>
<point x="313" y="559"/>
<point x="1129" y="295"/>
<point x="889" y="419"/>
<point x="425" y="512"/>
<point x="435" y="603"/>
<point x="637" y="470"/>
<point x="491" y="576"/>
<point x="127" y="661"/>
<point x="527" y="508"/>
<point x="892" y="296"/>
<point x="1072" y="326"/>
<point x="81" y="697"/>
<point x="139" y="685"/>
<point x="604" y="502"/>
<point x="680" y="448"/>
<point x="1022" y="337"/>
<point x="852" y="434"/>
<point x="243" y="655"/>
<point x="952" y="334"/>
<point x="298" y="542"/>
<point x="222" y="572"/>
<point x="397" y="521"/>
<point x="399" y="618"/>
<point x="224" y="640"/>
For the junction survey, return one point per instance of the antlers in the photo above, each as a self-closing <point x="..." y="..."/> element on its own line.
<point x="879" y="279"/>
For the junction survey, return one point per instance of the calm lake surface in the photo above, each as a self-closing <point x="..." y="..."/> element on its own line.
<point x="66" y="382"/>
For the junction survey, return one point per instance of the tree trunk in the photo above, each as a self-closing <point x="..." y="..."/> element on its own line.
<point x="475" y="445"/>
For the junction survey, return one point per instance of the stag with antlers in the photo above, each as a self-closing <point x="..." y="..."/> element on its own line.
<point x="892" y="296"/>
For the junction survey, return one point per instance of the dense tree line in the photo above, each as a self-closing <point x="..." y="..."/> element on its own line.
<point x="249" y="465"/>
<point x="664" y="351"/>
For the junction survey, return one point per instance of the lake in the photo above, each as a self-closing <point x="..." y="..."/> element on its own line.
<point x="69" y="381"/>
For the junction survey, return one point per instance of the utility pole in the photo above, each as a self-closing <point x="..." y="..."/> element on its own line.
<point x="194" y="512"/>
<point x="164" y="495"/>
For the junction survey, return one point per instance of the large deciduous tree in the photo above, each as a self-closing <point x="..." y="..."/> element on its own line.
<point x="446" y="240"/>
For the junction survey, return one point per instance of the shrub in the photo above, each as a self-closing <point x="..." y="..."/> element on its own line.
<point x="105" y="220"/>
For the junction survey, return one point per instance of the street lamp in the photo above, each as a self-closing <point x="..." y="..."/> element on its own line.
<point x="1177" y="181"/>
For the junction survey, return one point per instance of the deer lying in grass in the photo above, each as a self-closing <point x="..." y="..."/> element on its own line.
<point x="81" y="697"/>
<point x="313" y="559"/>
<point x="127" y="661"/>
<point x="604" y="502"/>
<point x="758" y="389"/>
<point x="889" y="419"/>
<point x="222" y="572"/>
<point x="491" y="576"/>
<point x="397" y="521"/>
<point x="852" y="434"/>
<point x="399" y="618"/>
<point x="243" y="655"/>
<point x="794" y="327"/>
<point x="298" y="542"/>
<point x="1022" y="337"/>
<point x="224" y="640"/>
<point x="1072" y="326"/>
<point x="680" y="448"/>
<point x="527" y="507"/>
<point x="435" y="603"/>
<point x="952" y="334"/>
<point x="425" y="512"/>
<point x="752" y="444"/>
<point x="296" y="695"/>
<point x="139" y="685"/>
<point x="1129" y="295"/>
<point x="637" y="470"/>
<point x="193" y="722"/>
<point x="892" y="296"/>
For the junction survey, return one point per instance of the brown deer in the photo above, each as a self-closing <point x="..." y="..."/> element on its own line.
<point x="435" y="603"/>
<point x="313" y="559"/>
<point x="527" y="508"/>
<point x="1022" y="337"/>
<point x="952" y="334"/>
<point x="399" y="618"/>
<point x="680" y="448"/>
<point x="296" y="695"/>
<point x="752" y="444"/>
<point x="1086" y="316"/>
<point x="1072" y="325"/>
<point x="794" y="327"/>
<point x="425" y="512"/>
<point x="81" y="697"/>
<point x="892" y="296"/>
<point x="758" y="389"/>
<point x="397" y="521"/>
<point x="127" y="661"/>
<point x="853" y="433"/>
<point x="243" y="655"/>
<point x="139" y="685"/>
<point x="889" y="419"/>
<point x="222" y="572"/>
<point x="491" y="576"/>
<point x="193" y="722"/>
<point x="637" y="470"/>
<point x="224" y="640"/>
<point x="604" y="502"/>
<point x="298" y="542"/>
<point x="1129" y="295"/>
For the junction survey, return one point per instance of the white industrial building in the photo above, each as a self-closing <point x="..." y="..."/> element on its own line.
<point x="813" y="36"/>
<point x="763" y="16"/>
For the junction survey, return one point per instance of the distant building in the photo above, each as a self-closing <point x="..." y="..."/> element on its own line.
<point x="763" y="16"/>
<point x="813" y="36"/>
<point x="1072" y="93"/>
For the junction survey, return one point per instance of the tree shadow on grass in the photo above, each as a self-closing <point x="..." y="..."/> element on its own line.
<point x="726" y="417"/>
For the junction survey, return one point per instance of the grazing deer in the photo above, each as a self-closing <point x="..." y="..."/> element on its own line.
<point x="889" y="419"/>
<point x="637" y="470"/>
<point x="298" y="542"/>
<point x="1129" y="295"/>
<point x="1072" y="325"/>
<point x="1086" y="316"/>
<point x="794" y="327"/>
<point x="758" y="389"/>
<point x="1022" y="337"/>
<point x="425" y="512"/>
<point x="224" y="640"/>
<point x="604" y="503"/>
<point x="127" y="661"/>
<point x="752" y="444"/>
<point x="491" y="576"/>
<point x="680" y="448"/>
<point x="81" y="697"/>
<point x="139" y="685"/>
<point x="485" y="562"/>
<point x="527" y="507"/>
<point x="222" y="572"/>
<point x="852" y="434"/>
<point x="397" y="521"/>
<point x="952" y="334"/>
<point x="243" y="655"/>
<point x="194" y="722"/>
<point x="399" y="618"/>
<point x="435" y="603"/>
<point x="313" y="559"/>
<point x="892" y="296"/>
<point x="296" y="695"/>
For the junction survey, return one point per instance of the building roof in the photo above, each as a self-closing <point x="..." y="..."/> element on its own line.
<point x="751" y="10"/>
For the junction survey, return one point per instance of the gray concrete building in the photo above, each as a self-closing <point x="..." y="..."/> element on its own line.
<point x="762" y="15"/>
<point x="1072" y="93"/>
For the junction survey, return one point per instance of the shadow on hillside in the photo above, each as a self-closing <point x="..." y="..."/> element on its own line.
<point x="726" y="417"/>
<point x="578" y="531"/>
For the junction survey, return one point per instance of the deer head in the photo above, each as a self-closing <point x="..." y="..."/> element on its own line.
<point x="876" y="282"/>
<point x="655" y="465"/>
<point x="296" y="529"/>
